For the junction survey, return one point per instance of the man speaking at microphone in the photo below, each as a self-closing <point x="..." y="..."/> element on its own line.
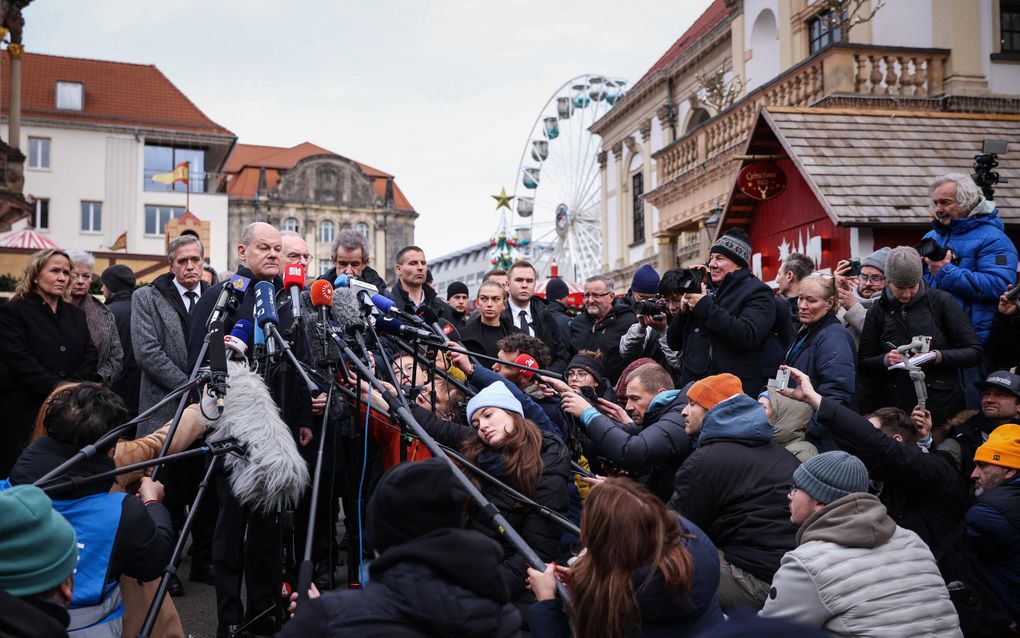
<point x="255" y="556"/>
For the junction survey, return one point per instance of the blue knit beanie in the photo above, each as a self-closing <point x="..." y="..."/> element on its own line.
<point x="645" y="281"/>
<point x="495" y="395"/>
<point x="830" y="476"/>
<point x="38" y="548"/>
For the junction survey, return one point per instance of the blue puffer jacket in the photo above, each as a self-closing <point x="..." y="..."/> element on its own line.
<point x="987" y="264"/>
<point x="825" y="352"/>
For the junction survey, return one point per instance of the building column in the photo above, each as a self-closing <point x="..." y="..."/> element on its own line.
<point x="667" y="253"/>
<point x="15" y="50"/>
<point x="956" y="25"/>
<point x="604" y="207"/>
<point x="646" y="169"/>
<point x="621" y="193"/>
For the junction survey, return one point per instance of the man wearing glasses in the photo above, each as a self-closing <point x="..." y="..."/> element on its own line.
<point x="857" y="297"/>
<point x="605" y="319"/>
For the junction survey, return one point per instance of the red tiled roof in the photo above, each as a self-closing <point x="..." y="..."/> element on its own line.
<point x="246" y="160"/>
<point x="116" y="93"/>
<point x="713" y="15"/>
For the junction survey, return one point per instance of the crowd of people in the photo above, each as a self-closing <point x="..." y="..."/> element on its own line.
<point x="702" y="454"/>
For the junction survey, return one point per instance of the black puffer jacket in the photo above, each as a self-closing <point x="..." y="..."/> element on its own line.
<point x="32" y="617"/>
<point x="539" y="532"/>
<point x="931" y="313"/>
<point x="603" y="336"/>
<point x="734" y="486"/>
<point x="442" y="584"/>
<point x="654" y="453"/>
<point x="431" y="300"/>
<point x="727" y="332"/>
<point x="144" y="537"/>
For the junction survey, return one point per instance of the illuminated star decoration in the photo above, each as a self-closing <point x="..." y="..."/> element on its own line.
<point x="503" y="200"/>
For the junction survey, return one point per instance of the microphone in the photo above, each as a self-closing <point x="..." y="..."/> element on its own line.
<point x="392" y="326"/>
<point x="525" y="359"/>
<point x="237" y="341"/>
<point x="321" y="293"/>
<point x="388" y="306"/>
<point x="259" y="343"/>
<point x="230" y="296"/>
<point x="272" y="474"/>
<point x="265" y="311"/>
<point x="442" y="327"/>
<point x="294" y="281"/>
<point x="217" y="364"/>
<point x="348" y="316"/>
<point x="364" y="291"/>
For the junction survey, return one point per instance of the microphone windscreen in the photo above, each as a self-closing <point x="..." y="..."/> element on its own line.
<point x="321" y="293"/>
<point x="382" y="302"/>
<point x="272" y="474"/>
<point x="260" y="336"/>
<point x="265" y="304"/>
<point x="346" y="308"/>
<point x="239" y="284"/>
<point x="342" y="281"/>
<point x="294" y="275"/>
<point x="525" y="359"/>
<point x="241" y="330"/>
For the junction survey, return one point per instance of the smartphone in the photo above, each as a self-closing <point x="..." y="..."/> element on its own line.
<point x="855" y="268"/>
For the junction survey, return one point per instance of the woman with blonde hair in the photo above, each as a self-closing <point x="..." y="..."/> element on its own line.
<point x="644" y="571"/>
<point x="824" y="350"/>
<point x="46" y="341"/>
<point x="102" y="324"/>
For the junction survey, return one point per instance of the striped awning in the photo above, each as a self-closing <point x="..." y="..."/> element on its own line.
<point x="27" y="238"/>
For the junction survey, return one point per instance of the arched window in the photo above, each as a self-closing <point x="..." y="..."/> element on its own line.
<point x="327" y="232"/>
<point x="291" y="224"/>
<point x="362" y="228"/>
<point x="697" y="117"/>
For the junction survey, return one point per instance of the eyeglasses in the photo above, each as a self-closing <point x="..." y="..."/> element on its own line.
<point x="577" y="373"/>
<point x="871" y="279"/>
<point x="596" y="295"/>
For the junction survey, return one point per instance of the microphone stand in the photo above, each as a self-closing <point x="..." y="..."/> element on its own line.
<point x="499" y="522"/>
<point x="539" y="372"/>
<point x="305" y="570"/>
<point x="90" y="450"/>
<point x="409" y="349"/>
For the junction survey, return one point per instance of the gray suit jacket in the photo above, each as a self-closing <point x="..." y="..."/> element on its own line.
<point x="159" y="336"/>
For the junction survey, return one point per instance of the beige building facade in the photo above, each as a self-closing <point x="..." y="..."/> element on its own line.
<point x="670" y="147"/>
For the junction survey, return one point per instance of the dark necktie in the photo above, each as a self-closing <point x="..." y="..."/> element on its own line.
<point x="522" y="321"/>
<point x="192" y="296"/>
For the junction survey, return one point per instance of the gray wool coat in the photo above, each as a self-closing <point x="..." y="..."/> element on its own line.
<point x="159" y="336"/>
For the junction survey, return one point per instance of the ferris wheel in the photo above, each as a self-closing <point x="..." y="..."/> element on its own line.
<point x="558" y="190"/>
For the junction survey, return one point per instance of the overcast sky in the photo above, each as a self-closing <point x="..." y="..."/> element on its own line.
<point x="440" y="94"/>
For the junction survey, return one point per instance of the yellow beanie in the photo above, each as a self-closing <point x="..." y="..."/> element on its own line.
<point x="1002" y="447"/>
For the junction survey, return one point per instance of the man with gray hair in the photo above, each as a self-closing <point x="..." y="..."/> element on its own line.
<point x="161" y="318"/>
<point x="604" y="321"/>
<point x="980" y="260"/>
<point x="795" y="267"/>
<point x="350" y="257"/>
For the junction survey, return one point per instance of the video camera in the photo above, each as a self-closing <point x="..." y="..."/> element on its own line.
<point x="985" y="163"/>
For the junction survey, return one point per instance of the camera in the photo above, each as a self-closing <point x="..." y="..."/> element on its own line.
<point x="855" y="268"/>
<point x="689" y="280"/>
<point x="651" y="307"/>
<point x="930" y="249"/>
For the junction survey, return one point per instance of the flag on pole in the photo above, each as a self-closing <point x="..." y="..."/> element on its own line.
<point x="120" y="243"/>
<point x="179" y="174"/>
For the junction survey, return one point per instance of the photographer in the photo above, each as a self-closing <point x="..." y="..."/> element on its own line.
<point x="727" y="331"/>
<point x="979" y="261"/>
<point x="909" y="308"/>
<point x="858" y="292"/>
<point x="647" y="337"/>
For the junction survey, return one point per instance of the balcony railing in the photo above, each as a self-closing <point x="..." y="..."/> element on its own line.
<point x="896" y="72"/>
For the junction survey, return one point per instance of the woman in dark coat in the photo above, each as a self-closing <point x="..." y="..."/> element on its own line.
<point x="824" y="350"/>
<point x="644" y="571"/>
<point x="908" y="308"/>
<point x="502" y="442"/>
<point x="46" y="341"/>
<point x="481" y="333"/>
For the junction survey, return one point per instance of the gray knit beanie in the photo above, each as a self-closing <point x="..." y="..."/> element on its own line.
<point x="736" y="245"/>
<point x="903" y="266"/>
<point x="877" y="259"/>
<point x="830" y="476"/>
